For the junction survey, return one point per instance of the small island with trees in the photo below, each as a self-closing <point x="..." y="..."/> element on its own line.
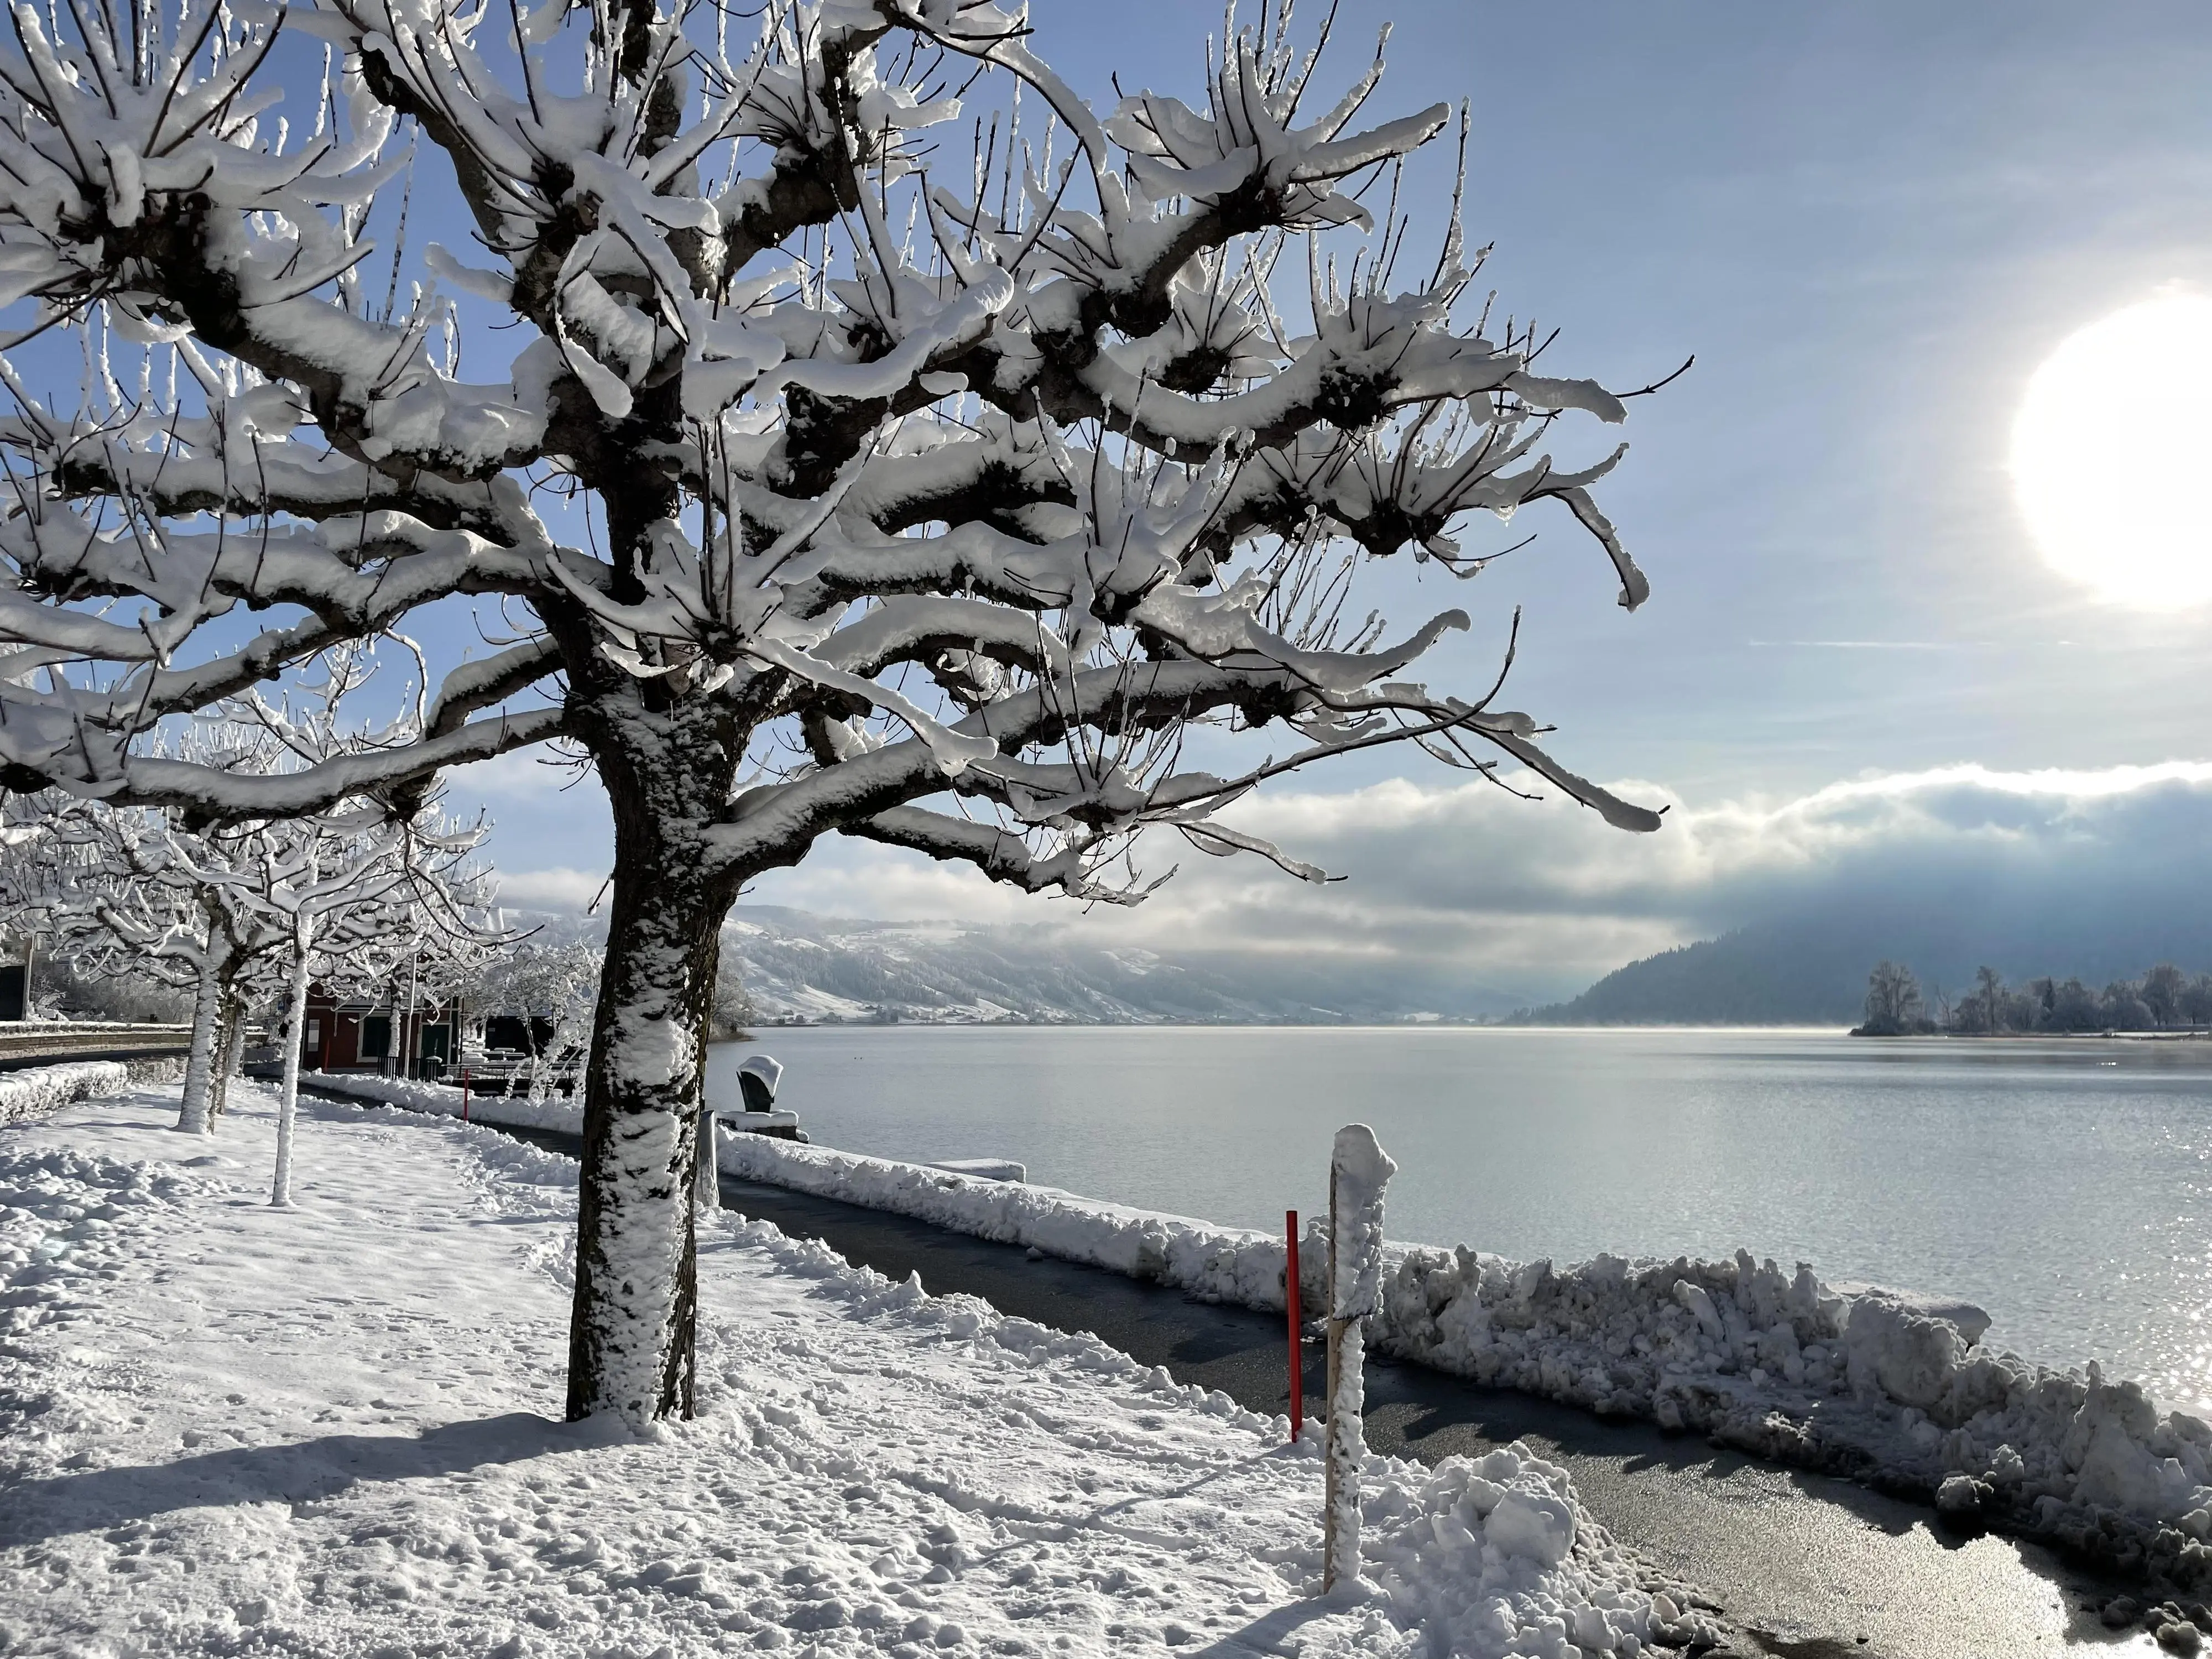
<point x="2164" y="1001"/>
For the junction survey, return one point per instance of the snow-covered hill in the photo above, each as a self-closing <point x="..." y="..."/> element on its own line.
<point x="799" y="966"/>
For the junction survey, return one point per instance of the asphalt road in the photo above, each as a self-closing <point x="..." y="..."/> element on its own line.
<point x="1804" y="1566"/>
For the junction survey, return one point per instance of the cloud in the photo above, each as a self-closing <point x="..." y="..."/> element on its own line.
<point x="843" y="878"/>
<point x="561" y="889"/>
<point x="534" y="774"/>
<point x="2073" y="870"/>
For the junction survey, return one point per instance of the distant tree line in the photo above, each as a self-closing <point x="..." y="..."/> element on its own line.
<point x="2164" y="999"/>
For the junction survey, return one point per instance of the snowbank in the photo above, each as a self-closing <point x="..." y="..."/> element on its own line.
<point x="1872" y="1384"/>
<point x="40" y="1091"/>
<point x="875" y="1470"/>
<point x="1214" y="1263"/>
<point x="1861" y="1381"/>
<point x="443" y="1100"/>
<point x="984" y="1169"/>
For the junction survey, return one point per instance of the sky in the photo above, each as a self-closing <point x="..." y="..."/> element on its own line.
<point x="1870" y="224"/>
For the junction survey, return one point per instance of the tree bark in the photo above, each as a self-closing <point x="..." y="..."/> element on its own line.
<point x="409" y="1035"/>
<point x="199" y="1066"/>
<point x="634" y="1328"/>
<point x="296" y="1029"/>
<point x="230" y="1050"/>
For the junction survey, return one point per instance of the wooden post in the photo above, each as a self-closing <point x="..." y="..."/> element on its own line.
<point x="1334" y="1475"/>
<point x="707" y="1179"/>
<point x="1293" y="1304"/>
<point x="1358" y="1169"/>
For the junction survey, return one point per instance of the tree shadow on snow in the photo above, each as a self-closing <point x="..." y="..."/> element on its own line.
<point x="298" y="1472"/>
<point x="1105" y="1519"/>
<point x="1265" y="1634"/>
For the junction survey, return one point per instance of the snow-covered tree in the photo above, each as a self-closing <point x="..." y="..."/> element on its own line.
<point x="1894" y="1007"/>
<point x="344" y="887"/>
<point x="938" y="511"/>
<point x="119" y="892"/>
<point x="555" y="988"/>
<point x="441" y="951"/>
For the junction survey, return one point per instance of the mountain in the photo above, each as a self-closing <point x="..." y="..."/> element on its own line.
<point x="798" y="966"/>
<point x="801" y="968"/>
<point x="1809" y="968"/>
<point x="1753" y="976"/>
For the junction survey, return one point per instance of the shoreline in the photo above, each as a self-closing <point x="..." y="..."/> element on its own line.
<point x="2021" y="1037"/>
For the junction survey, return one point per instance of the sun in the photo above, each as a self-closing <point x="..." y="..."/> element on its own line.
<point x="2112" y="454"/>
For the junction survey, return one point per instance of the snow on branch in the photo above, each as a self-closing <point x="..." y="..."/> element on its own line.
<point x="863" y="458"/>
<point x="838" y="464"/>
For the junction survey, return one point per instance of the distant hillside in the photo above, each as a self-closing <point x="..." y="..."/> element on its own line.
<point x="1745" y="978"/>
<point x="800" y="966"/>
<point x="1810" y="968"/>
<point x="797" y="966"/>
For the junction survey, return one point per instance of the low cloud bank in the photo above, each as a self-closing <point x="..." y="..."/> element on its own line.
<point x="2095" y="873"/>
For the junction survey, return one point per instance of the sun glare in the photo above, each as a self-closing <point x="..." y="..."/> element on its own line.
<point x="2112" y="453"/>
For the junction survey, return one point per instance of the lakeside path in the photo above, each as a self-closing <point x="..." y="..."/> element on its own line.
<point x="331" y="1431"/>
<point x="1807" y="1567"/>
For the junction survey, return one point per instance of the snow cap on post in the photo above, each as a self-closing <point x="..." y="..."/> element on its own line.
<point x="1361" y="1168"/>
<point x="757" y="1082"/>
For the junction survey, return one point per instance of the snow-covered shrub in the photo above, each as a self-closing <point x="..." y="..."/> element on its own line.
<point x="41" y="1090"/>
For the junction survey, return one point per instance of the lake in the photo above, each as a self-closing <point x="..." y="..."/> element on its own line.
<point x="2061" y="1185"/>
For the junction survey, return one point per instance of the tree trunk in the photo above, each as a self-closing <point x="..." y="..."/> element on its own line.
<point x="410" y="1036"/>
<point x="199" y="1068"/>
<point x="296" y="1031"/>
<point x="632" y="1336"/>
<point x="229" y="1050"/>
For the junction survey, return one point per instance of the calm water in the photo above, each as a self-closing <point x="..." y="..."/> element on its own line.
<point x="2062" y="1185"/>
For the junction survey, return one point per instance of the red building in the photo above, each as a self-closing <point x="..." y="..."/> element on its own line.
<point x="364" y="1034"/>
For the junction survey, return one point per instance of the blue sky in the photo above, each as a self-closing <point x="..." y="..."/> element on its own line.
<point x="1870" y="224"/>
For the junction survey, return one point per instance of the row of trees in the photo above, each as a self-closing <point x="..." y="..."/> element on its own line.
<point x="838" y="484"/>
<point x="240" y="915"/>
<point x="2165" y="999"/>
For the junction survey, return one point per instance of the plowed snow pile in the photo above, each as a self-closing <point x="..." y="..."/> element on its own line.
<point x="1861" y="1381"/>
<point x="226" y="1429"/>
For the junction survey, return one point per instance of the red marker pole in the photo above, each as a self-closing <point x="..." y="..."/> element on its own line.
<point x="1293" y="1298"/>
<point x="465" y="1094"/>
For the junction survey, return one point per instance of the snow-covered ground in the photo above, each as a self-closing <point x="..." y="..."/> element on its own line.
<point x="332" y="1430"/>
<point x="1859" y="1381"/>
